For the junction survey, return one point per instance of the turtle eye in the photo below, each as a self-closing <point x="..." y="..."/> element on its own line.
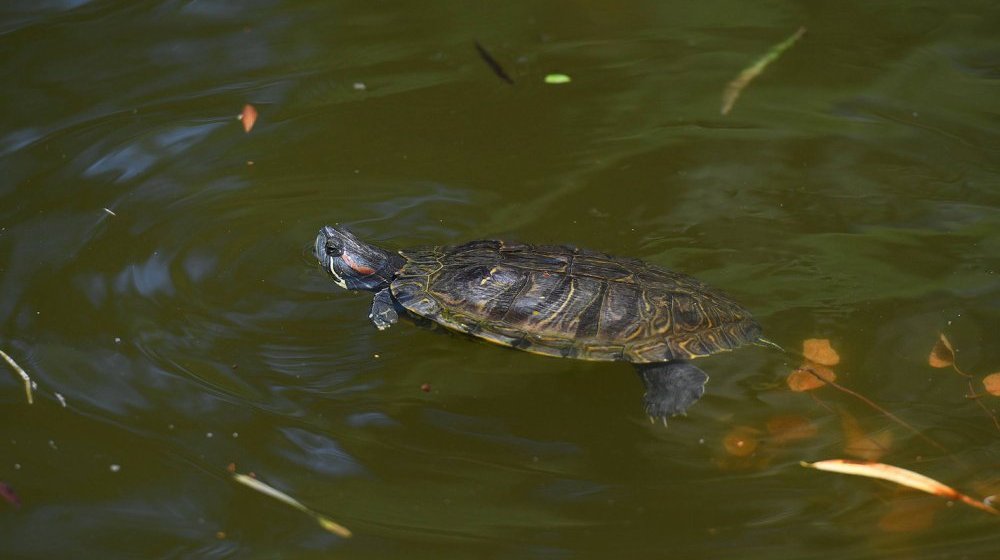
<point x="333" y="250"/>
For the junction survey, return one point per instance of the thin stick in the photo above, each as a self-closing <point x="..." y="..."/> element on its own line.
<point x="872" y="404"/>
<point x="493" y="64"/>
<point x="24" y="375"/>
<point x="975" y="396"/>
<point x="735" y="87"/>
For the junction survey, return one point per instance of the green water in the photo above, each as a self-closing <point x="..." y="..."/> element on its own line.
<point x="162" y="285"/>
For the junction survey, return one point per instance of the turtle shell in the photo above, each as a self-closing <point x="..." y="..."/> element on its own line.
<point x="563" y="301"/>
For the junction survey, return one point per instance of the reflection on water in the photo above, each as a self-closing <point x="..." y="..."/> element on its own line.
<point x="156" y="274"/>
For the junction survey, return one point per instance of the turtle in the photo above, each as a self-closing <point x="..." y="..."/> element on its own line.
<point x="553" y="300"/>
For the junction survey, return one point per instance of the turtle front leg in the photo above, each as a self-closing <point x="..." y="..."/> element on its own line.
<point x="671" y="387"/>
<point x="383" y="310"/>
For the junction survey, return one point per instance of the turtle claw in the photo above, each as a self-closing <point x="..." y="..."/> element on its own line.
<point x="383" y="313"/>
<point x="671" y="387"/>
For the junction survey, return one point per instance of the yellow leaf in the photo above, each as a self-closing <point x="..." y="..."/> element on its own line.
<point x="785" y="429"/>
<point x="861" y="445"/>
<point x="943" y="355"/>
<point x="248" y="116"/>
<point x="992" y="383"/>
<point x="803" y="378"/>
<point x="898" y="475"/>
<point x="818" y="350"/>
<point x="741" y="441"/>
<point x="334" y="527"/>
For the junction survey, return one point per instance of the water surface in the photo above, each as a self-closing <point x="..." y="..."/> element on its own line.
<point x="155" y="273"/>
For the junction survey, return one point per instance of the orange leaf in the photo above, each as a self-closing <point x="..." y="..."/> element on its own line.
<point x="785" y="429"/>
<point x="802" y="379"/>
<point x="943" y="355"/>
<point x="909" y="516"/>
<point x="818" y="350"/>
<point x="248" y="116"/>
<point x="861" y="445"/>
<point x="741" y="441"/>
<point x="992" y="383"/>
<point x="900" y="476"/>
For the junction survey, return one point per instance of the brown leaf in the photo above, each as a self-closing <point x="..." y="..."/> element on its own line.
<point x="909" y="515"/>
<point x="248" y="116"/>
<point x="802" y="379"/>
<point x="789" y="428"/>
<point x="8" y="494"/>
<point x="899" y="476"/>
<point x="992" y="383"/>
<point x="943" y="355"/>
<point x="741" y="441"/>
<point x="870" y="447"/>
<point x="818" y="350"/>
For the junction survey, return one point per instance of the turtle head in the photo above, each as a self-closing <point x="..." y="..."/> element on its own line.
<point x="355" y="265"/>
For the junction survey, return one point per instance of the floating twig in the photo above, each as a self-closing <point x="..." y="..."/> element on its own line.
<point x="735" y="87"/>
<point x="872" y="404"/>
<point x="24" y="375"/>
<point x="323" y="521"/>
<point x="900" y="476"/>
<point x="493" y="64"/>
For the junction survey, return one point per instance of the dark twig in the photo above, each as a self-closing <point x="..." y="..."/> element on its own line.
<point x="872" y="404"/>
<point x="493" y="64"/>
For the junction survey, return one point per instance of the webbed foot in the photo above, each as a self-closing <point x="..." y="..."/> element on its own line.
<point x="671" y="387"/>
<point x="383" y="312"/>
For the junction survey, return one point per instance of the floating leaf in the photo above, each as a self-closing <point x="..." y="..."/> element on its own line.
<point x="735" y="87"/>
<point x="323" y="521"/>
<point x="789" y="428"/>
<point x="992" y="383"/>
<point x="493" y="64"/>
<point x="334" y="527"/>
<point x="809" y="376"/>
<point x="819" y="351"/>
<point x="555" y="79"/>
<point x="248" y="116"/>
<point x="898" y="475"/>
<point x="741" y="441"/>
<point x="943" y="355"/>
<point x="861" y="445"/>
<point x="8" y="494"/>
<point x="909" y="516"/>
<point x="20" y="371"/>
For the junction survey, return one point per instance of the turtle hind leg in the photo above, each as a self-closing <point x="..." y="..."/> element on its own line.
<point x="671" y="387"/>
<point x="384" y="312"/>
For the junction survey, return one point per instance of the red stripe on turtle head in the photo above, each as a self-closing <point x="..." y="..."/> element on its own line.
<point x="356" y="267"/>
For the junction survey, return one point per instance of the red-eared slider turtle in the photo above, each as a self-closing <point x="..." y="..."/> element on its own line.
<point x="553" y="300"/>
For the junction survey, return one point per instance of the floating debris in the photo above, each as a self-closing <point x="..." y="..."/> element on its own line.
<point x="809" y="376"/>
<point x="493" y="64"/>
<point x="819" y="350"/>
<point x="992" y="384"/>
<point x="61" y="399"/>
<point x="24" y="376"/>
<point x="943" y="354"/>
<point x="900" y="476"/>
<point x="555" y="79"/>
<point x="8" y="494"/>
<point x="735" y="87"/>
<point x="110" y="212"/>
<point x="323" y="521"/>
<point x="248" y="116"/>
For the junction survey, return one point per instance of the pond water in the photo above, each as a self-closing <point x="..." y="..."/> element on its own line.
<point x="157" y="282"/>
